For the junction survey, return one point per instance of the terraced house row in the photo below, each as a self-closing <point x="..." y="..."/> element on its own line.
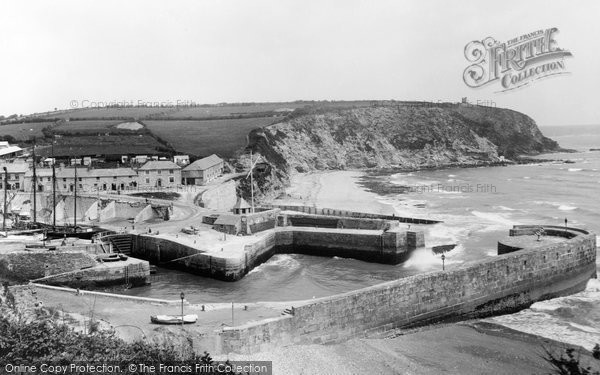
<point x="153" y="174"/>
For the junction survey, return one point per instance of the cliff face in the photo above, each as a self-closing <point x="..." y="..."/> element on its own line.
<point x="394" y="136"/>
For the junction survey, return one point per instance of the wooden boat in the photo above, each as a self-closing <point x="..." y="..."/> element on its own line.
<point x="111" y="257"/>
<point x="173" y="319"/>
<point x="39" y="246"/>
<point x="84" y="233"/>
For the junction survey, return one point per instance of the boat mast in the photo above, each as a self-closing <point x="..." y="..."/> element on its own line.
<point x="251" y="181"/>
<point x="75" y="200"/>
<point x="34" y="187"/>
<point x="5" y="180"/>
<point x="53" y="188"/>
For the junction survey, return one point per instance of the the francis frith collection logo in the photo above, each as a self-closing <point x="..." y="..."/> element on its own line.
<point x="515" y="63"/>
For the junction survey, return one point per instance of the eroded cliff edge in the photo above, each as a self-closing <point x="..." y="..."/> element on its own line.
<point x="407" y="136"/>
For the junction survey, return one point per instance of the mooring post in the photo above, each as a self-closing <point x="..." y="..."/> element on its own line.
<point x="443" y="262"/>
<point x="232" y="314"/>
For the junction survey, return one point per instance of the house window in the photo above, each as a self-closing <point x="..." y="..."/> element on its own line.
<point x="97" y="178"/>
<point x="158" y="171"/>
<point x="103" y="186"/>
<point x="80" y="186"/>
<point x="64" y="180"/>
<point x="170" y="171"/>
<point x="114" y="177"/>
<point x="147" y="180"/>
<point x="79" y="178"/>
<point x="147" y="172"/>
<point x="49" y="179"/>
<point x="171" y="179"/>
<point x="64" y="186"/>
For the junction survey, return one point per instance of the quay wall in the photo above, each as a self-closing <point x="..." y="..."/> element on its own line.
<point x="76" y="267"/>
<point x="329" y="221"/>
<point x="27" y="265"/>
<point x="133" y="272"/>
<point x="390" y="247"/>
<point x="344" y="213"/>
<point x="502" y="284"/>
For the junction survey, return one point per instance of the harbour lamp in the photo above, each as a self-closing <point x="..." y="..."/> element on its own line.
<point x="182" y="296"/>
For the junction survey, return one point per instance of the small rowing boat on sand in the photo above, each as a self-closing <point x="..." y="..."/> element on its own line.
<point x="173" y="319"/>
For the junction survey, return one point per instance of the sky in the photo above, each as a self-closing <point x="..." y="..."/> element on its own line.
<point x="67" y="53"/>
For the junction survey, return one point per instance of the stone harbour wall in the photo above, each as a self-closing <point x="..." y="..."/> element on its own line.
<point x="502" y="284"/>
<point x="389" y="247"/>
<point x="28" y="265"/>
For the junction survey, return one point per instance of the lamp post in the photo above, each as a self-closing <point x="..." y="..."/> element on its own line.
<point x="182" y="296"/>
<point x="443" y="262"/>
<point x="566" y="221"/>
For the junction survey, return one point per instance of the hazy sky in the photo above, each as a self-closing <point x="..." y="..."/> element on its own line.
<point x="54" y="52"/>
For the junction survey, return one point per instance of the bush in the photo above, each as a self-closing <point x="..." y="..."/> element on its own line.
<point x="44" y="340"/>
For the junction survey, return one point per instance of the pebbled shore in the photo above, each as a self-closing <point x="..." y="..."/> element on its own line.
<point x="462" y="348"/>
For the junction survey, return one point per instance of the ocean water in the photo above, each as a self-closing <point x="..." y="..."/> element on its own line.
<point x="477" y="207"/>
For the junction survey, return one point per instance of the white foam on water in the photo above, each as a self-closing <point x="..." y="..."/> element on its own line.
<point x="494" y="217"/>
<point x="572" y="319"/>
<point x="574" y="169"/>
<point x="424" y="259"/>
<point x="526" y="177"/>
<point x="504" y="208"/>
<point x="564" y="207"/>
<point x="278" y="260"/>
<point x="560" y="205"/>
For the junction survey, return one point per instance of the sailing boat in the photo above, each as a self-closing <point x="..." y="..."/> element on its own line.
<point x="82" y="231"/>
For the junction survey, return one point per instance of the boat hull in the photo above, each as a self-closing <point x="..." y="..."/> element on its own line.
<point x="173" y="319"/>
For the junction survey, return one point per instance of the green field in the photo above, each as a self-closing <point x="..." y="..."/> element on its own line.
<point x="110" y="113"/>
<point x="23" y="132"/>
<point x="174" y="112"/>
<point x="90" y="127"/>
<point x="203" y="138"/>
<point x="199" y="131"/>
<point x="104" y="145"/>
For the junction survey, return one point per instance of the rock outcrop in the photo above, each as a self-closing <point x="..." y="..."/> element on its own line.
<point x="405" y="136"/>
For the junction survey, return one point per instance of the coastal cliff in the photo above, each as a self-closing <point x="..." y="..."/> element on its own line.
<point x="407" y="136"/>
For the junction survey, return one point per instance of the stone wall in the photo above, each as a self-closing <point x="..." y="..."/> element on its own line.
<point x="122" y="210"/>
<point x="83" y="205"/>
<point x="132" y="272"/>
<point x="502" y="284"/>
<point x="327" y="221"/>
<point x="344" y="213"/>
<point x="373" y="246"/>
<point x="259" y="221"/>
<point x="28" y="265"/>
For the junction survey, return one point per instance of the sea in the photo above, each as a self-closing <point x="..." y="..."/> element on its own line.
<point x="477" y="207"/>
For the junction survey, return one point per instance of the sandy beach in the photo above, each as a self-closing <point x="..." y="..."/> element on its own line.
<point x="336" y="189"/>
<point x="461" y="348"/>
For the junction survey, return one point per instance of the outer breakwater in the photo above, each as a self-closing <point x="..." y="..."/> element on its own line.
<point x="391" y="247"/>
<point x="352" y="214"/>
<point x="502" y="284"/>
